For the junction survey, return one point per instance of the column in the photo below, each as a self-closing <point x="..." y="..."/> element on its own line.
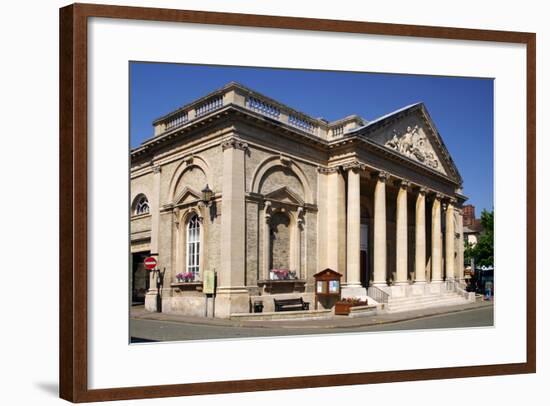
<point x="450" y="241"/>
<point x="460" y="259"/>
<point x="401" y="249"/>
<point x="380" y="230"/>
<point x="336" y="218"/>
<point x="353" y="238"/>
<point x="436" y="240"/>
<point x="420" y="238"/>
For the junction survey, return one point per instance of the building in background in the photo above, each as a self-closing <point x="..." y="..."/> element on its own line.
<point x="267" y="196"/>
<point x="472" y="225"/>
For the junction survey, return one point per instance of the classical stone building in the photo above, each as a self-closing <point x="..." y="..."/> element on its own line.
<point x="379" y="202"/>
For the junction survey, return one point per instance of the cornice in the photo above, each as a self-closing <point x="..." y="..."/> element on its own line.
<point x="235" y="112"/>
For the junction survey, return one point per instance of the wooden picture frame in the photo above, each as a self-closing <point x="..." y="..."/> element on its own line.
<point x="73" y="198"/>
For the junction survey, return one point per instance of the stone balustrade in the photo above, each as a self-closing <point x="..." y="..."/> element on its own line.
<point x="240" y="96"/>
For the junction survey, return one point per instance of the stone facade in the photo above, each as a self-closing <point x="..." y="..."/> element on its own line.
<point x="380" y="202"/>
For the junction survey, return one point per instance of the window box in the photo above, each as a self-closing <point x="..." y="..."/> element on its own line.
<point x="280" y="285"/>
<point x="186" y="286"/>
<point x="282" y="274"/>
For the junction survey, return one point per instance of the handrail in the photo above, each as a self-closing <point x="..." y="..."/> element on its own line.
<point x="378" y="294"/>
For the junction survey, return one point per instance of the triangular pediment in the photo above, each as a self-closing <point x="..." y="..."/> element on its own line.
<point x="413" y="142"/>
<point x="411" y="133"/>
<point x="285" y="195"/>
<point x="187" y="195"/>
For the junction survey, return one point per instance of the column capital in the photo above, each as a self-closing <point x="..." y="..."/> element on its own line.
<point x="234" y="142"/>
<point x="449" y="202"/>
<point x="382" y="176"/>
<point x="300" y="217"/>
<point x="404" y="184"/>
<point x="331" y="169"/>
<point x="156" y="168"/>
<point x="354" y="166"/>
<point x="285" y="160"/>
<point x="267" y="210"/>
<point x="176" y="212"/>
<point x="423" y="190"/>
<point x="439" y="196"/>
<point x="189" y="159"/>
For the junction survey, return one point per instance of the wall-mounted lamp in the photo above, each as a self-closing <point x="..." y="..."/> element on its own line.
<point x="207" y="194"/>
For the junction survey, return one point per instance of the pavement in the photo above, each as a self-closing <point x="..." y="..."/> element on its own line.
<point x="334" y="322"/>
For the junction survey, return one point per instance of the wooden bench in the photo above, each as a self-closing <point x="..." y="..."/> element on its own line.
<point x="282" y="305"/>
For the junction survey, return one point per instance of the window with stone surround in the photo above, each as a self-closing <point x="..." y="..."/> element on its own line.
<point x="193" y="245"/>
<point x="141" y="205"/>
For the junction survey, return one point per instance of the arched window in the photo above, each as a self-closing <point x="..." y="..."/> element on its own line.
<point x="142" y="205"/>
<point x="193" y="246"/>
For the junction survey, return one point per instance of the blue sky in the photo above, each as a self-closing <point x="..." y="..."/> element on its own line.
<point x="462" y="108"/>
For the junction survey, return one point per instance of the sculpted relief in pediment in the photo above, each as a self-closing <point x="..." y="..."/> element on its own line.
<point x="414" y="144"/>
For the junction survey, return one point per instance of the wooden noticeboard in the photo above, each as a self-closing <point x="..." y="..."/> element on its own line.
<point x="327" y="285"/>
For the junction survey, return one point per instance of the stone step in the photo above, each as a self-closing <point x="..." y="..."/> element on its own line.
<point x="425" y="300"/>
<point x="422" y="305"/>
<point x="422" y="298"/>
<point x="432" y="305"/>
<point x="286" y="315"/>
<point x="434" y="296"/>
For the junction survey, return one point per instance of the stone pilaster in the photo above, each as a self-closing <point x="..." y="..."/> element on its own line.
<point x="401" y="249"/>
<point x="266" y="240"/>
<point x="436" y="240"/>
<point x="380" y="259"/>
<point x="450" y="241"/>
<point x="420" y="238"/>
<point x="151" y="303"/>
<point x="297" y="242"/>
<point x="232" y="295"/>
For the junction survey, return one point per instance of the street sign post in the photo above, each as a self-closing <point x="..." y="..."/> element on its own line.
<point x="150" y="263"/>
<point x="209" y="288"/>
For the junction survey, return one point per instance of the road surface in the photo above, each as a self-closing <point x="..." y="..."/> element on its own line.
<point x="143" y="330"/>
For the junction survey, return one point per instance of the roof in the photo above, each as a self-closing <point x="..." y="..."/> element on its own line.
<point x="385" y="116"/>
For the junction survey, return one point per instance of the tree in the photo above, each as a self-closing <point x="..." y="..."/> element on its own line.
<point x="482" y="252"/>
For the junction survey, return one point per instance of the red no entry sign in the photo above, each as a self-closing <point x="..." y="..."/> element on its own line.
<point x="150" y="263"/>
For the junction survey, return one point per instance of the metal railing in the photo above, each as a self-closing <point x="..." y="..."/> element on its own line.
<point x="378" y="294"/>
